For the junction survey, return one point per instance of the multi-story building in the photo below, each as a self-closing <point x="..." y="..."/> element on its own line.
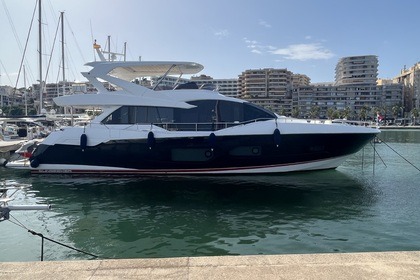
<point x="226" y="87"/>
<point x="300" y="80"/>
<point x="267" y="87"/>
<point x="357" y="70"/>
<point x="5" y="95"/>
<point x="355" y="93"/>
<point x="410" y="78"/>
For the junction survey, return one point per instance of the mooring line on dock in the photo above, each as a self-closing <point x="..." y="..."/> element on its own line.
<point x="18" y="223"/>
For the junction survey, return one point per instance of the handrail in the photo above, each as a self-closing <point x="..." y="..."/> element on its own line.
<point x="206" y="126"/>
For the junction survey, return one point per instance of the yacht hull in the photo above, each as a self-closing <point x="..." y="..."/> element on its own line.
<point x="202" y="155"/>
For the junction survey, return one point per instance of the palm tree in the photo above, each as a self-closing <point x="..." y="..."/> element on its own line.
<point x="330" y="113"/>
<point x="295" y="112"/>
<point x="314" y="113"/>
<point x="363" y="113"/>
<point x="395" y="111"/>
<point x="414" y="114"/>
<point x="346" y="113"/>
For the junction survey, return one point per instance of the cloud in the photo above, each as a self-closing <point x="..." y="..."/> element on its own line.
<point x="264" y="23"/>
<point x="221" y="33"/>
<point x="304" y="52"/>
<point x="255" y="46"/>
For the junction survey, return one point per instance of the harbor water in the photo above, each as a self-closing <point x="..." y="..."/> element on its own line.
<point x="370" y="203"/>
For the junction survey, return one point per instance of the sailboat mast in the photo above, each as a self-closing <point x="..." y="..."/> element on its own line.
<point x="26" y="91"/>
<point x="41" y="90"/>
<point x="62" y="49"/>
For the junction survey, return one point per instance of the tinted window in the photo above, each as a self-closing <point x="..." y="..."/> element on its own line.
<point x="252" y="112"/>
<point x="206" y="111"/>
<point x="140" y="114"/>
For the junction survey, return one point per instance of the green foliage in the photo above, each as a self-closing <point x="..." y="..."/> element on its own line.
<point x="16" y="110"/>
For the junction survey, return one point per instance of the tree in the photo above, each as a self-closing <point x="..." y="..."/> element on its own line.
<point x="414" y="114"/>
<point x="346" y="113"/>
<point x="330" y="113"/>
<point x="295" y="112"/>
<point x="283" y="111"/>
<point x="363" y="113"/>
<point x="395" y="111"/>
<point x="314" y="113"/>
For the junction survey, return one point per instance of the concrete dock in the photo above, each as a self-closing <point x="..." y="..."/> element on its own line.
<point x="383" y="265"/>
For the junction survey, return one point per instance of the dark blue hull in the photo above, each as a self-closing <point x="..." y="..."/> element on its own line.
<point x="200" y="153"/>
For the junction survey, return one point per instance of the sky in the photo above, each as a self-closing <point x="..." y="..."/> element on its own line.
<point x="227" y="37"/>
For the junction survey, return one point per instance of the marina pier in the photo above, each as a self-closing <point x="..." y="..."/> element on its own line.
<point x="383" y="265"/>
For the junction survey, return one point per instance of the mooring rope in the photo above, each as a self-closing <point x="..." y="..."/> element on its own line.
<point x="376" y="152"/>
<point x="51" y="240"/>
<point x="399" y="154"/>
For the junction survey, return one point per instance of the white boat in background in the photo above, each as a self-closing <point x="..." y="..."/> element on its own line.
<point x="16" y="131"/>
<point x="185" y="131"/>
<point x="20" y="158"/>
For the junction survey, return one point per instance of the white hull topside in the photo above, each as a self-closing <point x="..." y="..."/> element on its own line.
<point x="98" y="133"/>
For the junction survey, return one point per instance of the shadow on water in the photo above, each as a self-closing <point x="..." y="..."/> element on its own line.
<point x="194" y="216"/>
<point x="252" y="192"/>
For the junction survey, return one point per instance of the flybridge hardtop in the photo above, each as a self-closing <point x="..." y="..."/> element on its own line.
<point x="129" y="70"/>
<point x="186" y="131"/>
<point x="121" y="74"/>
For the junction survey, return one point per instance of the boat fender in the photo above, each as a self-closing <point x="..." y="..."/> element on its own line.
<point x="151" y="141"/>
<point x="34" y="163"/>
<point x="276" y="137"/>
<point x="212" y="140"/>
<point x="83" y="142"/>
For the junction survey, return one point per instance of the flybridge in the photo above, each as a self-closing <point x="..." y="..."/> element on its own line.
<point x="120" y="74"/>
<point x="129" y="70"/>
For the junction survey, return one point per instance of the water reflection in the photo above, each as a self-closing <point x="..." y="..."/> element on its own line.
<point x="189" y="216"/>
<point x="398" y="136"/>
<point x="350" y="209"/>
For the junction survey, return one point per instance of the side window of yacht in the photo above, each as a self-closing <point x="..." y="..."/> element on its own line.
<point x="141" y="114"/>
<point x="205" y="112"/>
<point x="231" y="112"/>
<point x="119" y="116"/>
<point x="166" y="115"/>
<point x="254" y="112"/>
<point x="153" y="115"/>
<point x="133" y="115"/>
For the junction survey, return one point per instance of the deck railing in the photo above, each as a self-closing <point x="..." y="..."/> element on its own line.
<point x="207" y="126"/>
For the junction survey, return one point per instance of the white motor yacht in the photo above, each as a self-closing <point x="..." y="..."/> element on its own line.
<point x="186" y="131"/>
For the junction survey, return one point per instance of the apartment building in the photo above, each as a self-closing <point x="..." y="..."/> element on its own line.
<point x="228" y="87"/>
<point x="354" y="94"/>
<point x="357" y="70"/>
<point x="410" y="78"/>
<point x="348" y="101"/>
<point x="5" y="95"/>
<point x="269" y="87"/>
